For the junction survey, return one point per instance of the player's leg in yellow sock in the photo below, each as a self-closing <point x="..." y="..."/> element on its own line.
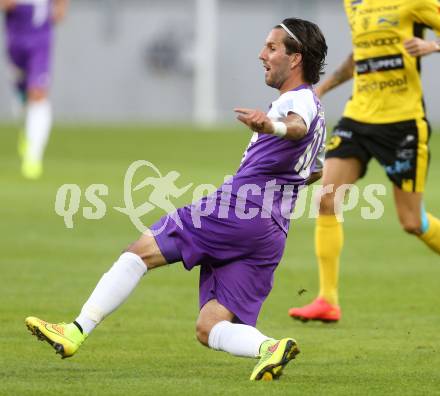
<point x="430" y="231"/>
<point x="415" y="220"/>
<point x="329" y="239"/>
<point x="329" y="235"/>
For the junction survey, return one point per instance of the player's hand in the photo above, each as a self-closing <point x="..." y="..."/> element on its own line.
<point x="255" y="119"/>
<point x="7" y="5"/>
<point x="419" y="47"/>
<point x="59" y="10"/>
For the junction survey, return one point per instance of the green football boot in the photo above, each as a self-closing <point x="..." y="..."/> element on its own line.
<point x="274" y="355"/>
<point x="31" y="170"/>
<point x="64" y="338"/>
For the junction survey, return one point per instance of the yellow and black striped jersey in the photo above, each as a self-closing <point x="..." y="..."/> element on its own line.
<point x="387" y="86"/>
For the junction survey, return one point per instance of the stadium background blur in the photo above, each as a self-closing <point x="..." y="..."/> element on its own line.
<point x="132" y="80"/>
<point x="156" y="60"/>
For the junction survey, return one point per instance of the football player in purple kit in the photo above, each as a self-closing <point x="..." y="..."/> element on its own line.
<point x="237" y="234"/>
<point x="29" y="40"/>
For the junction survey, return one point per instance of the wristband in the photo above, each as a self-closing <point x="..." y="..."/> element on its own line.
<point x="279" y="128"/>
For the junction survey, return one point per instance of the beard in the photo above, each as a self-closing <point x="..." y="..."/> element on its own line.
<point x="273" y="83"/>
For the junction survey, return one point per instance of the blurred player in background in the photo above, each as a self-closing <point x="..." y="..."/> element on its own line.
<point x="384" y="119"/>
<point x="237" y="256"/>
<point x="29" y="41"/>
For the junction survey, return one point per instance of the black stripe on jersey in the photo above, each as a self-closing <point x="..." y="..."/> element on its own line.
<point x="419" y="31"/>
<point x="380" y="63"/>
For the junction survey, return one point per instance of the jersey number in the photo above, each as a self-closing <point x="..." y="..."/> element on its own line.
<point x="303" y="166"/>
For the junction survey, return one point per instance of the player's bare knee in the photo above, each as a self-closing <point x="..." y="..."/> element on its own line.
<point x="202" y="332"/>
<point x="36" y="94"/>
<point x="134" y="248"/>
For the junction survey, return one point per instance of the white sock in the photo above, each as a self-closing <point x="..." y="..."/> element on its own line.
<point x="112" y="290"/>
<point x="37" y="126"/>
<point x="237" y="339"/>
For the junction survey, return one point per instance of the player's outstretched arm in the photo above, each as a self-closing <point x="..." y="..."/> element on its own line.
<point x="342" y="74"/>
<point x="292" y="127"/>
<point x="420" y="47"/>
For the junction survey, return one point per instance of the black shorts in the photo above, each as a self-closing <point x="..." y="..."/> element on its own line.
<point x="400" y="147"/>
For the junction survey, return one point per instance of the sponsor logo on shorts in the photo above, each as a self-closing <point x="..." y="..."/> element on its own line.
<point x="405" y="154"/>
<point x="379" y="64"/>
<point x="334" y="143"/>
<point x="379" y="42"/>
<point x="407" y="140"/>
<point x="398" y="167"/>
<point x="343" y="134"/>
<point x="407" y="148"/>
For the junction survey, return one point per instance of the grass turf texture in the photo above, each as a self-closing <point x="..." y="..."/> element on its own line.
<point x="387" y="342"/>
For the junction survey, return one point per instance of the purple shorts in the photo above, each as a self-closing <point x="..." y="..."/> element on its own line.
<point x="30" y="57"/>
<point x="237" y="258"/>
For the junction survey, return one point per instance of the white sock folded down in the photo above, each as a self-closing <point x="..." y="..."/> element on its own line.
<point x="112" y="290"/>
<point x="237" y="339"/>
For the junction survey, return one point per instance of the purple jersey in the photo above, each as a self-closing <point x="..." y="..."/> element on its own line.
<point x="29" y="17"/>
<point x="274" y="168"/>
<point x="238" y="254"/>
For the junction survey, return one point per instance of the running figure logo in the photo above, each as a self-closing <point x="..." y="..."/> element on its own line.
<point x="164" y="187"/>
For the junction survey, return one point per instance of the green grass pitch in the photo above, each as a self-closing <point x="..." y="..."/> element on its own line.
<point x="388" y="342"/>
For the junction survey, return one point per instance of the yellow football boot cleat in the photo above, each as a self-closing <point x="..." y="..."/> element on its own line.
<point x="274" y="356"/>
<point x="64" y="338"/>
<point x="31" y="169"/>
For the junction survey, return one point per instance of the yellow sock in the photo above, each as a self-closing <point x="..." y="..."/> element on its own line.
<point x="432" y="236"/>
<point x="329" y="238"/>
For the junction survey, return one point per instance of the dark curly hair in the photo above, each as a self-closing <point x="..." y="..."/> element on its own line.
<point x="313" y="47"/>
